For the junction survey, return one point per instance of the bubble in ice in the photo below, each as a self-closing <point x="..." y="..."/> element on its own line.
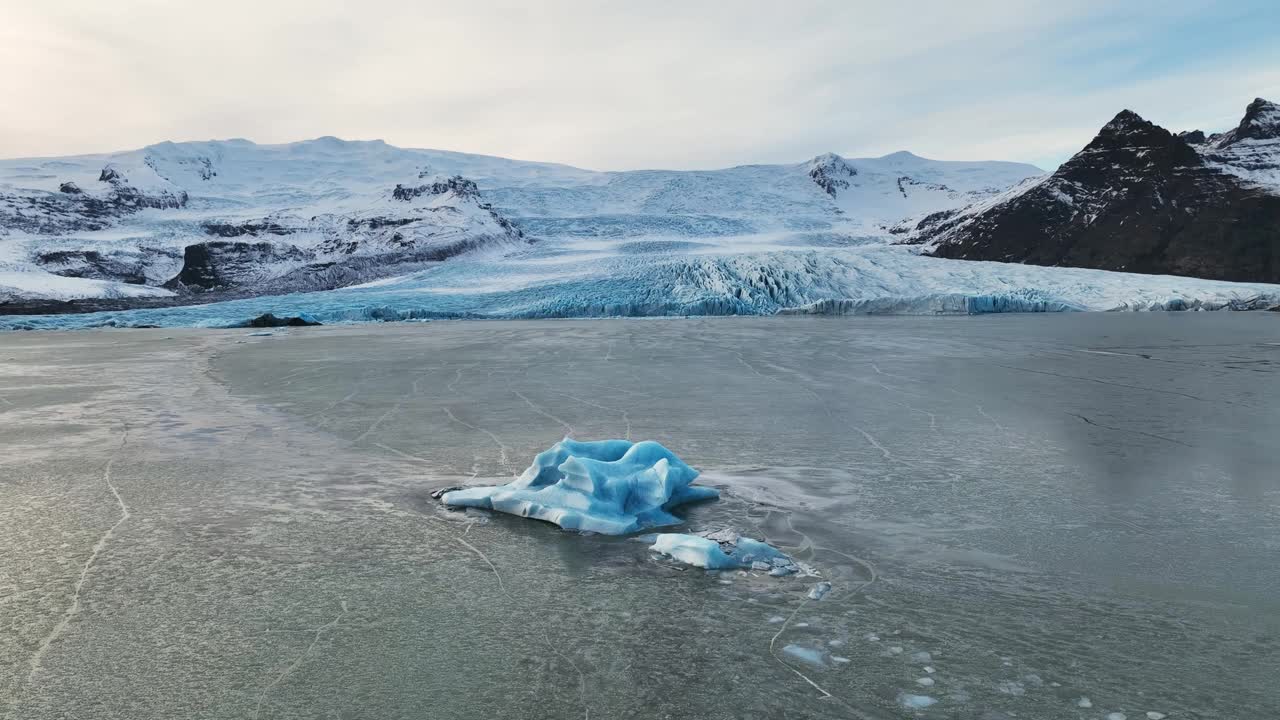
<point x="915" y="702"/>
<point x="805" y="654"/>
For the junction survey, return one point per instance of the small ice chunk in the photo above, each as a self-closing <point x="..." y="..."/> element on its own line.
<point x="929" y="669"/>
<point x="915" y="702"/>
<point x="1116" y="716"/>
<point x="921" y="657"/>
<point x="705" y="553"/>
<point x="819" y="591"/>
<point x="804" y="654"/>
<point x="837" y="658"/>
<point x="1010" y="687"/>
<point x="835" y="643"/>
<point x="1033" y="679"/>
<point x="872" y="637"/>
<point x="925" y="681"/>
<point x="760" y="566"/>
<point x="895" y="650"/>
<point x="1153" y="715"/>
<point x="802" y="625"/>
<point x="1084" y="702"/>
<point x="776" y="619"/>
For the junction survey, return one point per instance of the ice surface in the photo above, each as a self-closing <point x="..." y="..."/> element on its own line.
<point x="612" y="487"/>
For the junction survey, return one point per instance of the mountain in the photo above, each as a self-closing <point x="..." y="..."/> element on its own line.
<point x="201" y="221"/>
<point x="1139" y="199"/>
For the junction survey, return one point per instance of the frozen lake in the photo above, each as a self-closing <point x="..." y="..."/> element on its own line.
<point x="1060" y="516"/>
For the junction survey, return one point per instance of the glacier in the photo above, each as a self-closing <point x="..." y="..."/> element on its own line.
<point x="572" y="281"/>
<point x="611" y="487"/>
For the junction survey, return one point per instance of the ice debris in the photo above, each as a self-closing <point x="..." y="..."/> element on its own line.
<point x="915" y="702"/>
<point x="611" y="487"/>
<point x="804" y="654"/>
<point x="819" y="591"/>
<point x="726" y="550"/>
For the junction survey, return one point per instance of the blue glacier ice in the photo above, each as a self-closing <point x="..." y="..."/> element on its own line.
<point x="564" y="281"/>
<point x="612" y="487"/>
<point x="709" y="551"/>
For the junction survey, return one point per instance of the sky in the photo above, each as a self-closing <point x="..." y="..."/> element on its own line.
<point x="614" y="85"/>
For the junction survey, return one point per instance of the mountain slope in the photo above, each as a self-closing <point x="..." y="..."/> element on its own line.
<point x="1141" y="199"/>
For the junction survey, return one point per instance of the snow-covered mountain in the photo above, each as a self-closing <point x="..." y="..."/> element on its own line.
<point x="244" y="230"/>
<point x="181" y="220"/>
<point x="1138" y="198"/>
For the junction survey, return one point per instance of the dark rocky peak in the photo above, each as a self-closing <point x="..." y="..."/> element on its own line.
<point x="1193" y="137"/>
<point x="111" y="175"/>
<point x="1261" y="122"/>
<point x="70" y="188"/>
<point x="1128" y="145"/>
<point x="458" y="185"/>
<point x="831" y="173"/>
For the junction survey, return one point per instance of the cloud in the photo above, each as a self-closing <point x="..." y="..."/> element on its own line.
<point x="624" y="84"/>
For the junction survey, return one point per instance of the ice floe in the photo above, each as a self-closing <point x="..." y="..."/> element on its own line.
<point x="726" y="550"/>
<point x="611" y="487"/>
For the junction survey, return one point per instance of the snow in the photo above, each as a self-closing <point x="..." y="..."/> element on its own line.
<point x="34" y="283"/>
<point x="612" y="487"/>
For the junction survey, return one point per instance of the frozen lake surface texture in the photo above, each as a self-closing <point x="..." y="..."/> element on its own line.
<point x="1068" y="516"/>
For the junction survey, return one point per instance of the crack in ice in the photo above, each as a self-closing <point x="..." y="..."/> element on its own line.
<point x="314" y="641"/>
<point x="536" y="408"/>
<point x="37" y="659"/>
<point x="502" y="449"/>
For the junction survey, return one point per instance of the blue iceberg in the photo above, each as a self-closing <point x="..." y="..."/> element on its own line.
<point x="612" y="487"/>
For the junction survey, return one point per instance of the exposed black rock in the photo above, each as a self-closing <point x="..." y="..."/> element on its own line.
<point x="1137" y="198"/>
<point x="269" y="320"/>
<point x="456" y="184"/>
<point x="127" y="267"/>
<point x="70" y="188"/>
<point x="831" y="173"/>
<point x="223" y="264"/>
<point x="229" y="230"/>
<point x="1193" y="137"/>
